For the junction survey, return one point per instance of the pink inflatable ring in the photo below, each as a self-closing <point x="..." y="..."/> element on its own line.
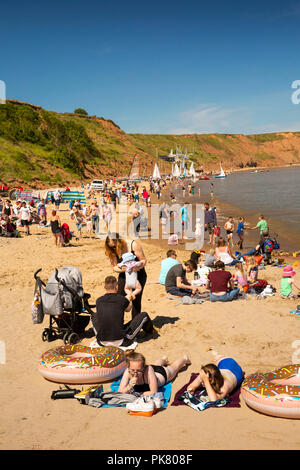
<point x="77" y="364"/>
<point x="274" y="393"/>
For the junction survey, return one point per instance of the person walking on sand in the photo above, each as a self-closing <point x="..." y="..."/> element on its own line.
<point x="210" y="221"/>
<point x="229" y="227"/>
<point x="262" y="225"/>
<point x="55" y="224"/>
<point x="240" y="232"/>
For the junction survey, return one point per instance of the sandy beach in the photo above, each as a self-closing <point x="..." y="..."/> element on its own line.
<point x="257" y="333"/>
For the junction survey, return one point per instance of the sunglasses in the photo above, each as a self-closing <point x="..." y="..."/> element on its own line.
<point x="136" y="371"/>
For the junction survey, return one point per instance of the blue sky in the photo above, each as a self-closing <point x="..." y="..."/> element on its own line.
<point x="157" y="67"/>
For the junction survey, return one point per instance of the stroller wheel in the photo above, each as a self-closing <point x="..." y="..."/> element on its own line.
<point x="65" y="337"/>
<point x="73" y="338"/>
<point x="46" y="335"/>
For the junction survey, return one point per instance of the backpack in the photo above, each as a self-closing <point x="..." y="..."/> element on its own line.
<point x="268" y="246"/>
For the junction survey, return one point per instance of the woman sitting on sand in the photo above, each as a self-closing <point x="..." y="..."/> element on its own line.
<point x="219" y="379"/>
<point x="224" y="254"/>
<point x="141" y="378"/>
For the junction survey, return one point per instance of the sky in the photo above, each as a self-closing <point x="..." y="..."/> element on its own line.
<point x="164" y="67"/>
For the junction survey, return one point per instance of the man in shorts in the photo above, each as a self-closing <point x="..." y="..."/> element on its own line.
<point x="210" y="221"/>
<point x="25" y="217"/>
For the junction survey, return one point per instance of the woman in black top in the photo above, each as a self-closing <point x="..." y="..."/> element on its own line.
<point x="114" y="249"/>
<point x="55" y="227"/>
<point x="141" y="378"/>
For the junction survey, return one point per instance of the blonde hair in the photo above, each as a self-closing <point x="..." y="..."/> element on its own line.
<point x="251" y="262"/>
<point x="132" y="356"/>
<point x="239" y="266"/>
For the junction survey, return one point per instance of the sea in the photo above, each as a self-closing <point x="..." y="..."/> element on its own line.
<point x="275" y="193"/>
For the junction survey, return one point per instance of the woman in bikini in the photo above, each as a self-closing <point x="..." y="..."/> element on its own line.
<point x="146" y="379"/>
<point x="115" y="247"/>
<point x="219" y="379"/>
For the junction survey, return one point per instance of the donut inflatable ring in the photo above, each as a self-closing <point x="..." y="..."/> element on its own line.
<point x="77" y="364"/>
<point x="274" y="393"/>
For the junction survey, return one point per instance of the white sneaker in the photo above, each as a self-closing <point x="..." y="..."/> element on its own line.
<point x="141" y="405"/>
<point x="156" y="400"/>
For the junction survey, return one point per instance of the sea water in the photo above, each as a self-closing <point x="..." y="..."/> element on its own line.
<point x="274" y="193"/>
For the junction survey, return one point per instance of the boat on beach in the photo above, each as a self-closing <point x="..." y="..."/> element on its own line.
<point x="221" y="174"/>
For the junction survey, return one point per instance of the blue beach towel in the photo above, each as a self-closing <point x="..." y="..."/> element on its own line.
<point x="165" y="389"/>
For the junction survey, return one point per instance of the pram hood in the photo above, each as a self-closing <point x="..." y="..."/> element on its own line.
<point x="56" y="296"/>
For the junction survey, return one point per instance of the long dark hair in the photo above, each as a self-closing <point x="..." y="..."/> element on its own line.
<point x="215" y="377"/>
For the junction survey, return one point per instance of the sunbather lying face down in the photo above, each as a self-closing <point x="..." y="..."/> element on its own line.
<point x="219" y="380"/>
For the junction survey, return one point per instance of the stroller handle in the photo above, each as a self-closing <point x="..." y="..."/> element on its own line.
<point x="62" y="281"/>
<point x="36" y="273"/>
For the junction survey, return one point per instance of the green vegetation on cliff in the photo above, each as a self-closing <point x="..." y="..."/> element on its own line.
<point x="48" y="147"/>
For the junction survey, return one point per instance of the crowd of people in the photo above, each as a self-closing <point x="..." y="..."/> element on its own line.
<point x="219" y="274"/>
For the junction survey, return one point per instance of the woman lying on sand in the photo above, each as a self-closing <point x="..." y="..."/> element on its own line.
<point x="219" y="379"/>
<point x="140" y="377"/>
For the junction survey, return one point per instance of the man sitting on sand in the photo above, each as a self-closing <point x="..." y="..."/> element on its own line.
<point x="167" y="264"/>
<point x="108" y="321"/>
<point x="220" y="284"/>
<point x="176" y="282"/>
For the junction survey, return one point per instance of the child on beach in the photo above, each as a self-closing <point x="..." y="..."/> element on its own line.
<point x="210" y="258"/>
<point x="198" y="228"/>
<point x="240" y="232"/>
<point x="252" y="269"/>
<point x="229" y="227"/>
<point x="219" y="379"/>
<point x="241" y="277"/>
<point x="132" y="285"/>
<point x="287" y="283"/>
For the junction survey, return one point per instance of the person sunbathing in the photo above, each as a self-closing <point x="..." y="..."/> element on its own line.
<point x="146" y="379"/>
<point x="218" y="379"/>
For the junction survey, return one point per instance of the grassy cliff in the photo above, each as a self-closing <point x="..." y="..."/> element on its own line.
<point x="39" y="147"/>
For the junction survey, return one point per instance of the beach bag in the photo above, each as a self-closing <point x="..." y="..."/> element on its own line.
<point x="36" y="310"/>
<point x="217" y="231"/>
<point x="260" y="285"/>
<point x="173" y="239"/>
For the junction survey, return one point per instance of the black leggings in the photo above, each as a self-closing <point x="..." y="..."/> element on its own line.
<point x="137" y="302"/>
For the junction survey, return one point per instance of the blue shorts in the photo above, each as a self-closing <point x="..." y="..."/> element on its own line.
<point x="233" y="366"/>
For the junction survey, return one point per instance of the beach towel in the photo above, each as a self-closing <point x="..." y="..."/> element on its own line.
<point x="165" y="390"/>
<point x="234" y="396"/>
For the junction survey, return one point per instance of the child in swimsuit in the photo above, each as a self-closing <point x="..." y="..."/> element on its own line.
<point x="144" y="379"/>
<point x="219" y="379"/>
<point x="229" y="227"/>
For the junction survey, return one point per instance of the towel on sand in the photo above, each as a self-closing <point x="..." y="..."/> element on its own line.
<point x="165" y="390"/>
<point x="234" y="396"/>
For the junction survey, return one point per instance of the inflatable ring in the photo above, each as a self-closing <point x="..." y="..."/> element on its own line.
<point x="274" y="393"/>
<point x="79" y="364"/>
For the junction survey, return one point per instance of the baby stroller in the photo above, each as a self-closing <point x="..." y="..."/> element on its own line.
<point x="65" y="234"/>
<point x="64" y="300"/>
